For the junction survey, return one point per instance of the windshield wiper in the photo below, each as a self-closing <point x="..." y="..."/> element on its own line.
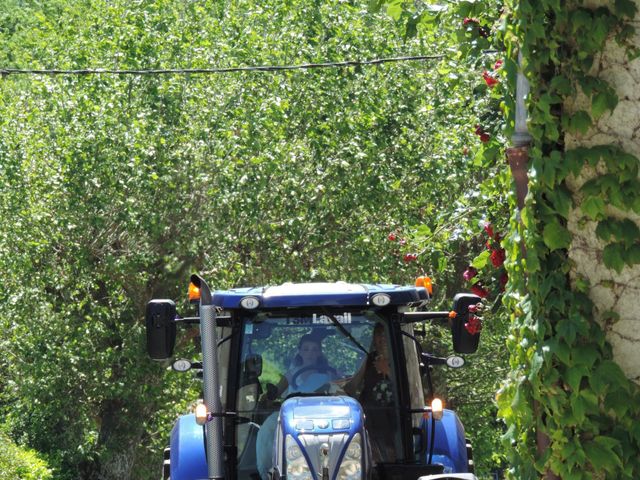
<point x="344" y="331"/>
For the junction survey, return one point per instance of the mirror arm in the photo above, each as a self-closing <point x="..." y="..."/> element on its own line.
<point x="435" y="317"/>
<point x="187" y="320"/>
<point x="433" y="360"/>
<point x="196" y="320"/>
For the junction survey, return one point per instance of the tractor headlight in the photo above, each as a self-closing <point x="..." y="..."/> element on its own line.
<point x="297" y="468"/>
<point x="351" y="466"/>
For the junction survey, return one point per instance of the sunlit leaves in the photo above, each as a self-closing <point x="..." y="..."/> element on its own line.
<point x="116" y="188"/>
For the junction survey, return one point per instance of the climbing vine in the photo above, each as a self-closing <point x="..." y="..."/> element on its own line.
<point x="569" y="408"/>
<point x="571" y="411"/>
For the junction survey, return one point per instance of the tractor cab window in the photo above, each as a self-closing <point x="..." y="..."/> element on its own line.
<point x="329" y="353"/>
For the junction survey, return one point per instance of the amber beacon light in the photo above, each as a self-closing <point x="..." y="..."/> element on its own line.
<point x="194" y="293"/>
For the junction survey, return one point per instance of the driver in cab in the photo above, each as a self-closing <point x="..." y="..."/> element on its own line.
<point x="309" y="372"/>
<point x="309" y="369"/>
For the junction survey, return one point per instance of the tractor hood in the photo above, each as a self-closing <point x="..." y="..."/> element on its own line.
<point x="321" y="428"/>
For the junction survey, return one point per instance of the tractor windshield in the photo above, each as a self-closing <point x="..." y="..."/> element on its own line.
<point x="334" y="353"/>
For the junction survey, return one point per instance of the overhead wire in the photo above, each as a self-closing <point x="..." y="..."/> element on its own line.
<point x="214" y="71"/>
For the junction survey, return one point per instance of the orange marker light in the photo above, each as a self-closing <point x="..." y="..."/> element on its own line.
<point x="426" y="283"/>
<point x="194" y="293"/>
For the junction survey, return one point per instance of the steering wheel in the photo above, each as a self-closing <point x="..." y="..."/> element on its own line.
<point x="309" y="368"/>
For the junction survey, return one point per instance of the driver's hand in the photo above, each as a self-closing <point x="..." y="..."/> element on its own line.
<point x="268" y="398"/>
<point x="272" y="392"/>
<point x="335" y="389"/>
<point x="342" y="381"/>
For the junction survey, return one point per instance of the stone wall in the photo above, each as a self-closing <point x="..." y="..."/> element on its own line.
<point x="610" y="291"/>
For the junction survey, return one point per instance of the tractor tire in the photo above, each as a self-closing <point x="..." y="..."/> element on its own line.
<point x="470" y="465"/>
<point x="166" y="464"/>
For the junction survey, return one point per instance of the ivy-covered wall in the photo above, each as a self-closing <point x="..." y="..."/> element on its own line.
<point x="570" y="402"/>
<point x="614" y="291"/>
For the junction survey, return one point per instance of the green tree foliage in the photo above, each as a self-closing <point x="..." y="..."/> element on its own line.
<point x="478" y="68"/>
<point x="17" y="462"/>
<point x="114" y="188"/>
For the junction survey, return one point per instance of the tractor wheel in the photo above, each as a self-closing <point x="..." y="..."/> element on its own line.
<point x="166" y="464"/>
<point x="471" y="465"/>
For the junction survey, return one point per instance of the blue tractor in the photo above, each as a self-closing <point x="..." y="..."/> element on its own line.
<point x="318" y="381"/>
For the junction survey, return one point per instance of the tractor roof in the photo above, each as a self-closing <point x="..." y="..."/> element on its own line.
<point x="339" y="294"/>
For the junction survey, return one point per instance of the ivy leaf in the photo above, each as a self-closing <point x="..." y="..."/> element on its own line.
<point x="611" y="370"/>
<point x="601" y="455"/>
<point x="629" y="232"/>
<point x="600" y="29"/>
<point x="612" y="255"/>
<point x="635" y="431"/>
<point x="582" y="355"/>
<point x="566" y="329"/>
<point x="593" y="207"/>
<point x="618" y="401"/>
<point x="556" y="236"/>
<point x="536" y="365"/>
<point x="626" y="8"/>
<point x="603" y="230"/>
<point x="636" y="205"/>
<point x="601" y="102"/>
<point x="562" y="85"/>
<point x="578" y="408"/>
<point x="562" y="201"/>
<point x="574" y="376"/>
<point x="633" y="254"/>
<point x="580" y="18"/>
<point x="560" y="349"/>
<point x="579" y="122"/>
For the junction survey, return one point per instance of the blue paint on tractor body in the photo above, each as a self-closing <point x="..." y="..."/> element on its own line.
<point x="323" y="415"/>
<point x="450" y="448"/>
<point x="319" y="414"/>
<point x="188" y="459"/>
<point x="339" y="294"/>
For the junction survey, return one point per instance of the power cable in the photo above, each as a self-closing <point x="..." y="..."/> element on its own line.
<point x="210" y="71"/>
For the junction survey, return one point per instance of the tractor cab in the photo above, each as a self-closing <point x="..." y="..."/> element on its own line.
<point x="313" y="382"/>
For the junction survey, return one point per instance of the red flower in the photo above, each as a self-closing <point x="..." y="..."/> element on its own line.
<point x="479" y="291"/>
<point x="410" y="257"/>
<point x="489" y="229"/>
<point x="392" y="237"/>
<point x="489" y="79"/>
<point x="498" y="64"/>
<point x="468" y="20"/>
<point x="469" y="273"/>
<point x="498" y="257"/>
<point x="474" y="325"/>
<point x="484" y="136"/>
<point x="504" y="278"/>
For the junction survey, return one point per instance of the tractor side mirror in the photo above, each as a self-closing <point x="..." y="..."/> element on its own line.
<point x="161" y="328"/>
<point x="465" y="330"/>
